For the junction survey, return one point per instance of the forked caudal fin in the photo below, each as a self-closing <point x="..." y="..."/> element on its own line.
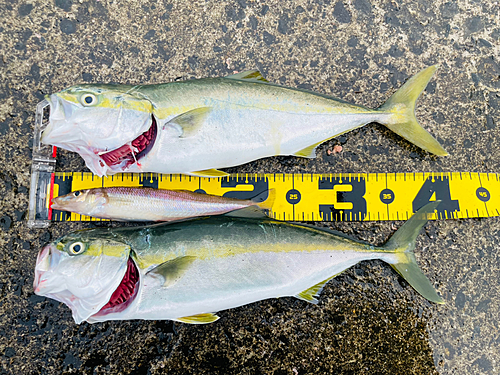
<point x="262" y="202"/>
<point x="269" y="197"/>
<point x="402" y="106"/>
<point x="403" y="244"/>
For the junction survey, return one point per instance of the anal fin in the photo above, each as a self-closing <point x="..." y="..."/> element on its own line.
<point x="198" y="319"/>
<point x="308" y="152"/>
<point x="209" y="173"/>
<point x="309" y="295"/>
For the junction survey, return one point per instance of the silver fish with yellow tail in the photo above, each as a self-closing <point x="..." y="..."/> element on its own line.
<point x="197" y="126"/>
<point x="188" y="271"/>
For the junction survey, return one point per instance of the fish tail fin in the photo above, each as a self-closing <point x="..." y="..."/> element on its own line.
<point x="267" y="204"/>
<point x="259" y="204"/>
<point x="403" y="243"/>
<point x="402" y="107"/>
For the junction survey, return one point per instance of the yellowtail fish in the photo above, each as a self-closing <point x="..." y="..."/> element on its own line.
<point x="187" y="271"/>
<point x="197" y="126"/>
<point x="147" y="204"/>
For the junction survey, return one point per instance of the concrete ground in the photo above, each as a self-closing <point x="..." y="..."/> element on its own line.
<point x="368" y="320"/>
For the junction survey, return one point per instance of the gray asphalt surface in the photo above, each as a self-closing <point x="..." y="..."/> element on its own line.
<point x="368" y="320"/>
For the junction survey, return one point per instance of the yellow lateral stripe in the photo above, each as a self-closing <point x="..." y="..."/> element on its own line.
<point x="323" y="197"/>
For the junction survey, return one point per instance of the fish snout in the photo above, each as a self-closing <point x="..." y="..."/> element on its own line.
<point x="62" y="203"/>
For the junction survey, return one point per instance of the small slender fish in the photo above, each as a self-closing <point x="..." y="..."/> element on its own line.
<point x="197" y="126"/>
<point x="187" y="271"/>
<point x="147" y="204"/>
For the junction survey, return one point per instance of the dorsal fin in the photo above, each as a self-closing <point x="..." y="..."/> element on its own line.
<point x="248" y="76"/>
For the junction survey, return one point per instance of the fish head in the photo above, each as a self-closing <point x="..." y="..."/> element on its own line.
<point x="103" y="123"/>
<point x="86" y="271"/>
<point x="85" y="202"/>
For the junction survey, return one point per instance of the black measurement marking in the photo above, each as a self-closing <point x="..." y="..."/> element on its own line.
<point x="147" y="180"/>
<point x="387" y="196"/>
<point x="259" y="186"/>
<point x="293" y="196"/>
<point x="355" y="197"/>
<point x="440" y="188"/>
<point x="483" y="194"/>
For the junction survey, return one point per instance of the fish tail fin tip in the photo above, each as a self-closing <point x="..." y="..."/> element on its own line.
<point x="402" y="106"/>
<point x="403" y="244"/>
<point x="268" y="203"/>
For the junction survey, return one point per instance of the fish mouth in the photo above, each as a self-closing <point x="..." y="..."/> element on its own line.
<point x="131" y="152"/>
<point x="57" y="204"/>
<point x="125" y="293"/>
<point x="42" y="266"/>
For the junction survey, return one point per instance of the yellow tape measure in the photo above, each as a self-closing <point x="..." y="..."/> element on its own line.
<point x="317" y="197"/>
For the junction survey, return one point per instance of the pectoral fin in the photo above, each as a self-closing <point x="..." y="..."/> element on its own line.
<point x="172" y="270"/>
<point x="209" y="173"/>
<point x="309" y="295"/>
<point x="190" y="122"/>
<point x="198" y="319"/>
<point x="248" y="76"/>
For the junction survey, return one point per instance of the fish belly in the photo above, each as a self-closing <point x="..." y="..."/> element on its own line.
<point x="237" y="135"/>
<point x="222" y="283"/>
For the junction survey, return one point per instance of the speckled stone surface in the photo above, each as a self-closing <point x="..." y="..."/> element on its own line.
<point x="368" y="320"/>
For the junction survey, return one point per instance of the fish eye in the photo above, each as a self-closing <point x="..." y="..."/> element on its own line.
<point x="76" y="193"/>
<point x="88" y="99"/>
<point x="76" y="248"/>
